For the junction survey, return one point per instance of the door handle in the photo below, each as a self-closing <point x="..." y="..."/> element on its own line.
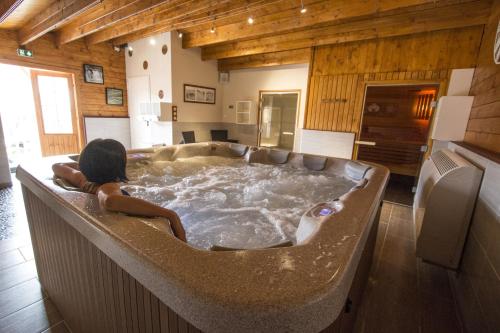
<point x="365" y="143"/>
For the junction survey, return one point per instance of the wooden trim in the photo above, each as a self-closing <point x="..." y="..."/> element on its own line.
<point x="57" y="14"/>
<point x="7" y="7"/>
<point x="491" y="155"/>
<point x="292" y="57"/>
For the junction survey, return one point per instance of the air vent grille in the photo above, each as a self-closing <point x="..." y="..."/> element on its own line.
<point x="443" y="162"/>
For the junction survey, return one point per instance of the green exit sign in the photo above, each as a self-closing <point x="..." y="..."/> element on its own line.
<point x="24" y="53"/>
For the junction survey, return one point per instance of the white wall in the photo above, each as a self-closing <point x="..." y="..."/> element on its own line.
<point x="143" y="86"/>
<point x="246" y="84"/>
<point x="4" y="161"/>
<point x="187" y="67"/>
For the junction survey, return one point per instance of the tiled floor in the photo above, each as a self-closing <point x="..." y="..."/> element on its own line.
<point x="24" y="307"/>
<point x="403" y="293"/>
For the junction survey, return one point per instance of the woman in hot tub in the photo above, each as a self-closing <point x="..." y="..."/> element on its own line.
<point x="100" y="169"/>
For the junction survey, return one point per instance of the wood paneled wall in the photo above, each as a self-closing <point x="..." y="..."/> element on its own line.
<point x="483" y="129"/>
<point x="339" y="73"/>
<point x="91" y="98"/>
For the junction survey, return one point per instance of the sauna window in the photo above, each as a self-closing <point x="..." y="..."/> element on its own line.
<point x="55" y="104"/>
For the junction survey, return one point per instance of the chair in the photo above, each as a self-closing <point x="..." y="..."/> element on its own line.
<point x="221" y="135"/>
<point x="188" y="137"/>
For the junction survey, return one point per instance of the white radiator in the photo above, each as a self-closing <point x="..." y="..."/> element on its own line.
<point x="445" y="198"/>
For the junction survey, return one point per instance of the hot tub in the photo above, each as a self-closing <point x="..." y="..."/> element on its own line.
<point x="110" y="272"/>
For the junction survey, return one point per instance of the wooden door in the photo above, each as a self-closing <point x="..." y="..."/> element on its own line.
<point x="54" y="98"/>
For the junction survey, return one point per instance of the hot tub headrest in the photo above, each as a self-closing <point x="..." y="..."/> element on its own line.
<point x="238" y="149"/>
<point x="278" y="156"/>
<point x="224" y="248"/>
<point x="316" y="163"/>
<point x="356" y="170"/>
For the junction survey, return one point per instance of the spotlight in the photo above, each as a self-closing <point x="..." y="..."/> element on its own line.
<point x="303" y="9"/>
<point x="152" y="41"/>
<point x="130" y="48"/>
<point x="179" y="34"/>
<point x="250" y="20"/>
<point x="212" y="29"/>
<point x="116" y="48"/>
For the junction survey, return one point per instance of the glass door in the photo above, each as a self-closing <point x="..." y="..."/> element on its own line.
<point x="56" y="112"/>
<point x="394" y="133"/>
<point x="277" y="118"/>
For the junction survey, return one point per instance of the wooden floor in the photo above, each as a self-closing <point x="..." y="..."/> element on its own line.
<point x="403" y="293"/>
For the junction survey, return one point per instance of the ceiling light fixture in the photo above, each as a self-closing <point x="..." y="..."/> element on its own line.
<point x="179" y="34"/>
<point x="130" y="48"/>
<point x="250" y="20"/>
<point x="302" y="8"/>
<point x="212" y="29"/>
<point x="152" y="41"/>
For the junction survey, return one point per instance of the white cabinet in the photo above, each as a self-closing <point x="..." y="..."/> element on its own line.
<point x="244" y="112"/>
<point x="452" y="115"/>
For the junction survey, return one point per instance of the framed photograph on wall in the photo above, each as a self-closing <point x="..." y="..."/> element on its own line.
<point x="93" y="74"/>
<point x="199" y="94"/>
<point x="114" y="96"/>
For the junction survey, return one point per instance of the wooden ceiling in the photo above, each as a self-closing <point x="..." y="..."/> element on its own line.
<point x="280" y="33"/>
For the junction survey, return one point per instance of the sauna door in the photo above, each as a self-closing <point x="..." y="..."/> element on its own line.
<point x="55" y="112"/>
<point x="395" y="126"/>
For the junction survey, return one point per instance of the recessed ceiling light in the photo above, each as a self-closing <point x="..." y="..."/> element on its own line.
<point x="250" y="20"/>
<point x="152" y="41"/>
<point x="179" y="34"/>
<point x="212" y="29"/>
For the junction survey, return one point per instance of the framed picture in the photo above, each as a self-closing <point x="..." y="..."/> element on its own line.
<point x="93" y="74"/>
<point x="114" y="96"/>
<point x="199" y="94"/>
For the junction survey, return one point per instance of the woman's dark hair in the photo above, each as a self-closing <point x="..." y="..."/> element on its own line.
<point x="103" y="161"/>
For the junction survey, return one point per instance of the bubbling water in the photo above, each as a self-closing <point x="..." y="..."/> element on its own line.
<point x="228" y="202"/>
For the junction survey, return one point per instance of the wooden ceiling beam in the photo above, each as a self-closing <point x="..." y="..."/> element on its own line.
<point x="291" y="20"/>
<point x="292" y="57"/>
<point x="450" y="17"/>
<point x="187" y="13"/>
<point x="7" y="7"/>
<point x="231" y="12"/>
<point x="57" y="14"/>
<point x="110" y="12"/>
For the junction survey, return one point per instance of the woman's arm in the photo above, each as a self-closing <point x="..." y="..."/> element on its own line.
<point x="70" y="172"/>
<point x="111" y="198"/>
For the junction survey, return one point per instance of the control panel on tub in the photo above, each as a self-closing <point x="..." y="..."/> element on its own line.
<point x="311" y="220"/>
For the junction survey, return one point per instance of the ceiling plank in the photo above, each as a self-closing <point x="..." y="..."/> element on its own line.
<point x="450" y="17"/>
<point x="300" y="56"/>
<point x="110" y="12"/>
<point x="189" y="12"/>
<point x="7" y="7"/>
<point x="230" y="13"/>
<point x="57" y="14"/>
<point x="290" y="20"/>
